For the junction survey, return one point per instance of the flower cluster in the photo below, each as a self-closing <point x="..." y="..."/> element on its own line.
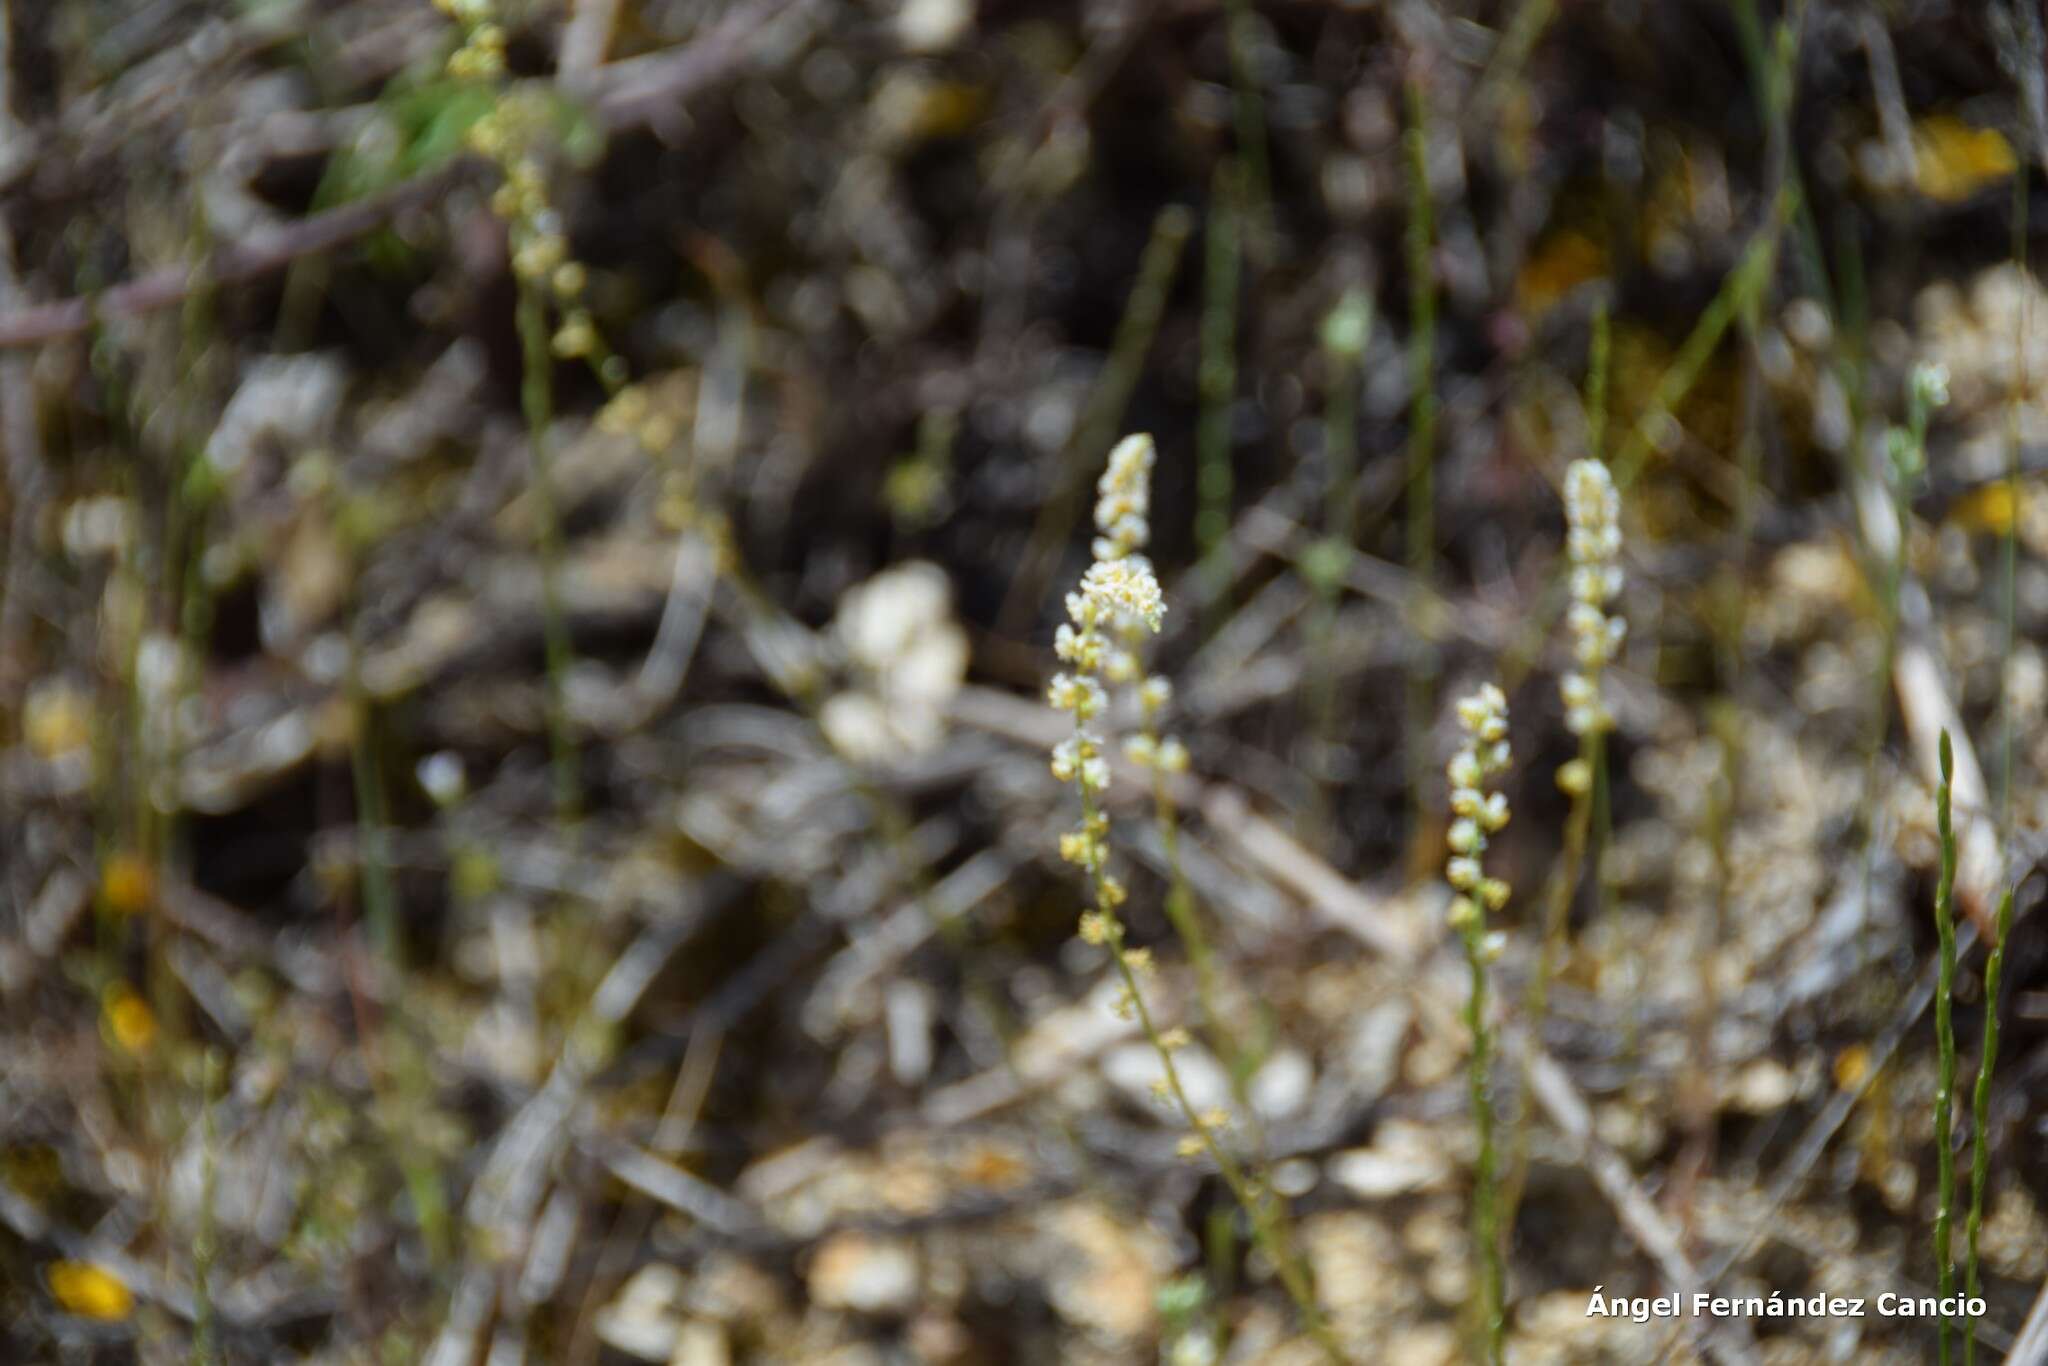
<point x="1102" y="603"/>
<point x="511" y="135"/>
<point x="1123" y="499"/>
<point x="482" y="54"/>
<point x="1117" y="604"/>
<point x="1478" y="814"/>
<point x="1592" y="511"/>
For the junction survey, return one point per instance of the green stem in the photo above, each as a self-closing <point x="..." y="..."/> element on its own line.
<point x="1598" y="353"/>
<point x="536" y="396"/>
<point x="1980" y="1113"/>
<point x="373" y="863"/>
<point x="1945" y="1042"/>
<point x="1557" y="905"/>
<point x="1268" y="1232"/>
<point x="1485" y="1194"/>
<point x="1744" y="284"/>
<point x="1217" y="380"/>
<point x="2022" y="325"/>
<point x="1250" y="119"/>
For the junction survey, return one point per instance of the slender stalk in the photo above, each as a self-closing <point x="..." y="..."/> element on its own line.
<point x="1421" y="492"/>
<point x="1116" y="606"/>
<point x="1486" y="1213"/>
<point x="536" y="397"/>
<point x="1980" y="1115"/>
<point x="1217" y="381"/>
<point x="1598" y="356"/>
<point x="1181" y="912"/>
<point x="205" y="1242"/>
<point x="2022" y="326"/>
<point x="1945" y="1043"/>
<point x="373" y="861"/>
<point x="1346" y="330"/>
<point x="1249" y="116"/>
<point x="1268" y="1233"/>
<point x="1745" y="283"/>
<point x="1557" y="905"/>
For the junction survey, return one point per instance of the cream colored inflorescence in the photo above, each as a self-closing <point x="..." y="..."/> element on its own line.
<point x="512" y="135"/>
<point x="1593" y="514"/>
<point x="1477" y="814"/>
<point x="1117" y="604"/>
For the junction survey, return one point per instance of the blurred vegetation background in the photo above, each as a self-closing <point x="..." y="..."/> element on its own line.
<point x="532" y="540"/>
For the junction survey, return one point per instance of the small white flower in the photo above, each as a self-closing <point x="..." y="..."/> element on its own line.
<point x="1124" y="498"/>
<point x="1593" y="543"/>
<point x="1494" y="816"/>
<point x="1124" y="589"/>
<point x="1483" y="715"/>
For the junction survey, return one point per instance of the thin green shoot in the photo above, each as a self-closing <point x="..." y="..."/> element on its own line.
<point x="1945" y="1044"/>
<point x="1980" y="1114"/>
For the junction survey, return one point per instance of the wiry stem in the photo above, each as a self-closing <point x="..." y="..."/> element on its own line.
<point x="1945" y="1042"/>
<point x="1217" y="380"/>
<point x="1116" y="605"/>
<point x="1267" y="1232"/>
<point x="1557" y="905"/>
<point x="536" y="394"/>
<point x="1485" y="1182"/>
<point x="1980" y="1115"/>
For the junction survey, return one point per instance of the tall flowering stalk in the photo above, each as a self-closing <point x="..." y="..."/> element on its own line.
<point x="548" y="278"/>
<point x="1593" y="547"/>
<point x="1109" y="615"/>
<point x="1479" y="815"/>
<point x="1592" y="509"/>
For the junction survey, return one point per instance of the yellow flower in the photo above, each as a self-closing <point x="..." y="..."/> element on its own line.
<point x="1988" y="509"/>
<point x="127" y="884"/>
<point x="1952" y="160"/>
<point x="129" y="1020"/>
<point x="90" y="1291"/>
